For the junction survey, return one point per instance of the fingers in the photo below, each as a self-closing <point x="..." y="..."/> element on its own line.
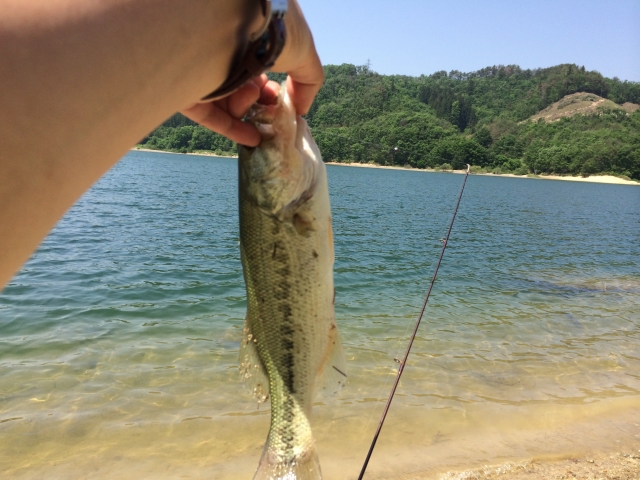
<point x="303" y="93"/>
<point x="239" y="102"/>
<point x="224" y="116"/>
<point x="269" y="93"/>
<point x="213" y="117"/>
<point x="299" y="59"/>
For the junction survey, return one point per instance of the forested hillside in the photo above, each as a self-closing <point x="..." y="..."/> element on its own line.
<point x="454" y="118"/>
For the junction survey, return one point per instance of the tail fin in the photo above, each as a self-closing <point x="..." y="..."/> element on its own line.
<point x="305" y="467"/>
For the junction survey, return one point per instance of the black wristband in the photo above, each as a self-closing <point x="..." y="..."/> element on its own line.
<point x="256" y="57"/>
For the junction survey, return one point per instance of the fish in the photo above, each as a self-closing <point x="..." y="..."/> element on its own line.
<point x="290" y="347"/>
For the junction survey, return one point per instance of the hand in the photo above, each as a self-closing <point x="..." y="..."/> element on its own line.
<point x="299" y="59"/>
<point x="224" y="116"/>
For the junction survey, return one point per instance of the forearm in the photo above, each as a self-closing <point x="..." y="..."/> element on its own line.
<point x="82" y="81"/>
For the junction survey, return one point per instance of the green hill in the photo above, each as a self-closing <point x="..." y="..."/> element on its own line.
<point x="486" y="118"/>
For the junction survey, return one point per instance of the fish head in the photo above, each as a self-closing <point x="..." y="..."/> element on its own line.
<point x="282" y="171"/>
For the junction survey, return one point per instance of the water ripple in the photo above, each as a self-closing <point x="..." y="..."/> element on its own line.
<point x="128" y="318"/>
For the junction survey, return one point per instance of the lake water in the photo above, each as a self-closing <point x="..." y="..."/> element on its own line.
<point x="119" y="338"/>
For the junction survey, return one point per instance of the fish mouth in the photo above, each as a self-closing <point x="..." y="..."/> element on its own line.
<point x="263" y="118"/>
<point x="281" y="171"/>
<point x="262" y="114"/>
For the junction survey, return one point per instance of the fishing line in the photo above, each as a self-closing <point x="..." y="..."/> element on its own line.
<point x="445" y="241"/>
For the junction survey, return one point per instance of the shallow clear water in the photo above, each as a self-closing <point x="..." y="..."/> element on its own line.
<point x="119" y="338"/>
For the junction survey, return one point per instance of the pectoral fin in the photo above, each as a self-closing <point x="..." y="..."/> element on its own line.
<point x="333" y="376"/>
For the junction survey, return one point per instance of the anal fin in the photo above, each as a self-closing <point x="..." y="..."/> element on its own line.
<point x="252" y="371"/>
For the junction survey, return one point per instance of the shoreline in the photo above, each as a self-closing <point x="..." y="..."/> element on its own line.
<point x="608" y="179"/>
<point x="200" y="154"/>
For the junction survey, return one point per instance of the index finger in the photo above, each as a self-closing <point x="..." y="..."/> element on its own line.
<point x="303" y="84"/>
<point x="300" y="60"/>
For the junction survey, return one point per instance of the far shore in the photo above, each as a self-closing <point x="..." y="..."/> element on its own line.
<point x="591" y="179"/>
<point x="200" y="154"/>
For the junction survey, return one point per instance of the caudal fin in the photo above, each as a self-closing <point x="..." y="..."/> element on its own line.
<point x="305" y="467"/>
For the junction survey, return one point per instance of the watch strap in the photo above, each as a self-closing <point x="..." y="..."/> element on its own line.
<point x="257" y="56"/>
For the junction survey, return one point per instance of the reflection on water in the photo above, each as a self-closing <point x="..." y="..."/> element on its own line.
<point x="119" y="339"/>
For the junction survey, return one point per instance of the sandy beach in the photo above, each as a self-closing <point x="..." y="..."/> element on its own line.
<point x="592" y="179"/>
<point x="622" y="465"/>
<point x="199" y="154"/>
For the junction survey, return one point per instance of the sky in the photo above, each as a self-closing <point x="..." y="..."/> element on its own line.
<point x="414" y="37"/>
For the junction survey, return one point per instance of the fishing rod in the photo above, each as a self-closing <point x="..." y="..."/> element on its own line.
<point x="415" y="332"/>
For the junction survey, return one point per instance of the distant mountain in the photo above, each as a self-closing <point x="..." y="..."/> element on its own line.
<point x="487" y="118"/>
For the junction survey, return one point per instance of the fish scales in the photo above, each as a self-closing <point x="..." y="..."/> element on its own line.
<point x="290" y="342"/>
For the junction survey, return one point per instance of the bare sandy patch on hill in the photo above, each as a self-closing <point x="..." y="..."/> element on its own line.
<point x="580" y="103"/>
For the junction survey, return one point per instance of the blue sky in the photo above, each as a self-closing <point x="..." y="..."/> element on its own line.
<point x="421" y="37"/>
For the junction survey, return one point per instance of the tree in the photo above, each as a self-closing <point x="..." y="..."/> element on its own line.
<point x="478" y="118"/>
<point x="483" y="136"/>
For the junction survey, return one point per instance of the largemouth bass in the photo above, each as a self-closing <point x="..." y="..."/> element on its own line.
<point x="290" y="346"/>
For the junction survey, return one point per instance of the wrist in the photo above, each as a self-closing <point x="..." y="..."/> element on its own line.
<point x="258" y="48"/>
